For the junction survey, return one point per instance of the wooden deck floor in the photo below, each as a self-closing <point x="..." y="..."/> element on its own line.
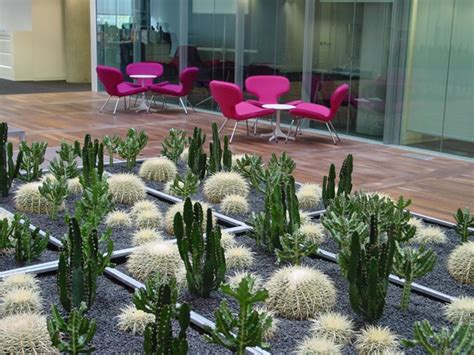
<point x="436" y="185"/>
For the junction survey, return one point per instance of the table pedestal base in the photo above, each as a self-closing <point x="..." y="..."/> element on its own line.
<point x="277" y="132"/>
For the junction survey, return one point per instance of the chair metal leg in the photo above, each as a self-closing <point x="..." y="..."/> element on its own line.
<point x="105" y="103"/>
<point x="116" y="105"/>
<point x="223" y="125"/>
<point x="152" y="98"/>
<point x="203" y="101"/>
<point x="163" y="103"/>
<point x="183" y="105"/>
<point x="125" y="103"/>
<point x="335" y="132"/>
<point x="289" y="131"/>
<point x="298" y="127"/>
<point x="330" y="132"/>
<point x="247" y="125"/>
<point x="255" y="127"/>
<point x="189" y="103"/>
<point x="233" y="132"/>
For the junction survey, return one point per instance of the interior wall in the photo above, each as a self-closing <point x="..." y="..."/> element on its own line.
<point x="15" y="15"/>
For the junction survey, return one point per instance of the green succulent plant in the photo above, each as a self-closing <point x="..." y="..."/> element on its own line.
<point x="173" y="145"/>
<point x="33" y="157"/>
<point x="197" y="159"/>
<point x="28" y="244"/>
<point x="55" y="191"/>
<point x="184" y="187"/>
<point x="219" y="160"/>
<point x="130" y="147"/>
<point x="464" y="224"/>
<point x="9" y="169"/>
<point x="344" y="186"/>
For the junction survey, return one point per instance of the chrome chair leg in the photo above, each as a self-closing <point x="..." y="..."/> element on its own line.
<point x="163" y="103"/>
<point x="125" y="103"/>
<point x="189" y="103"/>
<point x="116" y="105"/>
<point x="247" y="125"/>
<point x="255" y="126"/>
<point x="223" y="125"/>
<point x="233" y="132"/>
<point x="289" y="131"/>
<point x="330" y="132"/>
<point x="152" y="99"/>
<point x="335" y="132"/>
<point x="183" y="105"/>
<point x="203" y="101"/>
<point x="105" y="103"/>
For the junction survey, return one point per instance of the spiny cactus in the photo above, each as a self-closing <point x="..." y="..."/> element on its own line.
<point x="24" y="334"/>
<point x="268" y="332"/>
<point x="141" y="206"/>
<point x="6" y="233"/>
<point x="146" y="235"/>
<point x="111" y="144"/>
<point x="464" y="224"/>
<point x="134" y="320"/>
<point x="173" y="146"/>
<point x="376" y="340"/>
<point x="237" y="276"/>
<point x="33" y="157"/>
<point x="460" y="310"/>
<point x="239" y="257"/>
<point x="300" y="292"/>
<point x="19" y="301"/>
<point x="197" y="159"/>
<point x="314" y="232"/>
<point x="251" y="167"/>
<point x="28" y="244"/>
<point x="219" y="160"/>
<point x="309" y="196"/>
<point x="179" y="207"/>
<point x="118" y="219"/>
<point x="295" y="247"/>
<point x="234" y="205"/>
<point x="223" y="184"/>
<point x="344" y="186"/>
<point x="130" y="147"/>
<point x="203" y="256"/>
<point x="318" y="346"/>
<point x="74" y="186"/>
<point x="92" y="155"/>
<point x="126" y="188"/>
<point x="410" y="264"/>
<point x="227" y="240"/>
<point x="29" y="199"/>
<point x="159" y="169"/>
<point x="248" y="327"/>
<point x="461" y="263"/>
<point x="9" y="170"/>
<point x="429" y="235"/>
<point x="156" y="257"/>
<point x="18" y="281"/>
<point x="55" y="191"/>
<point x="149" y="219"/>
<point x="183" y="187"/>
<point x="333" y="326"/>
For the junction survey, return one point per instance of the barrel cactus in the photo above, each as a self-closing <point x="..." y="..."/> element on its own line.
<point x="300" y="292"/>
<point x="429" y="235"/>
<point x="74" y="186"/>
<point x="18" y="281"/>
<point x="28" y="199"/>
<point x="227" y="240"/>
<point x="141" y="206"/>
<point x="20" y="300"/>
<point x="234" y="204"/>
<point x="334" y="326"/>
<point x="118" y="219"/>
<point x="238" y="258"/>
<point x="159" y="169"/>
<point x="169" y="217"/>
<point x="376" y="340"/>
<point x="146" y="235"/>
<point x="460" y="310"/>
<point x="149" y="219"/>
<point x="223" y="184"/>
<point x="126" y="188"/>
<point x="318" y="346"/>
<point x="461" y="263"/>
<point x="309" y="195"/>
<point x="314" y="232"/>
<point x="134" y="320"/>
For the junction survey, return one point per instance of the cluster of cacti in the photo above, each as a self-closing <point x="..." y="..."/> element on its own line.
<point x="183" y="187"/>
<point x="411" y="264"/>
<point x="20" y="301"/>
<point x="236" y="333"/>
<point x="237" y="276"/>
<point x="149" y="219"/>
<point x="29" y="199"/>
<point x="251" y="167"/>
<point x="300" y="292"/>
<point x="118" y="219"/>
<point x="126" y="188"/>
<point x="134" y="320"/>
<point x="376" y="340"/>
<point x="18" y="281"/>
<point x="24" y="334"/>
<point x="146" y="235"/>
<point x="111" y="144"/>
<point x="318" y="346"/>
<point x="28" y="244"/>
<point x="159" y="169"/>
<point x="457" y="340"/>
<point x="464" y="224"/>
<point x="173" y="146"/>
<point x="294" y="247"/>
<point x="309" y="196"/>
<point x="33" y="157"/>
<point x="80" y="264"/>
<point x="55" y="191"/>
<point x="179" y="207"/>
<point x="9" y="169"/>
<point x="197" y="159"/>
<point x="219" y="160"/>
<point x="72" y="334"/>
<point x="234" y="205"/>
<point x="130" y="147"/>
<point x="461" y="263"/>
<point x="239" y="257"/>
<point x="156" y="257"/>
<point x="203" y="256"/>
<point x="333" y="326"/>
<point x="344" y="186"/>
<point x="460" y="309"/>
<point x="74" y="186"/>
<point x="314" y="232"/>
<point x="223" y="184"/>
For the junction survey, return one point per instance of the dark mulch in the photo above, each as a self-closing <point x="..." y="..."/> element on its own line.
<point x="7" y="262"/>
<point x="111" y="298"/>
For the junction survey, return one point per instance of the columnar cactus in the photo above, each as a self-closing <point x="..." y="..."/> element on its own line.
<point x="464" y="224"/>
<point x="9" y="169"/>
<point x="219" y="160"/>
<point x="344" y="186"/>
<point x="203" y="256"/>
<point x="197" y="159"/>
<point x="179" y="207"/>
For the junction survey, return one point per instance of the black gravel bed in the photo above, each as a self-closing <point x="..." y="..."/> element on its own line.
<point x="7" y="262"/>
<point x="110" y="299"/>
<point x="290" y="333"/>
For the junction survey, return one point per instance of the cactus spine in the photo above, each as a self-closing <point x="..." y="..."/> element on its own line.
<point x="219" y="160"/>
<point x="197" y="159"/>
<point x="345" y="181"/>
<point x="9" y="170"/>
<point x="203" y="256"/>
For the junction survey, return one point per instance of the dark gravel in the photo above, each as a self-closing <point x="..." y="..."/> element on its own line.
<point x="111" y="298"/>
<point x="7" y="262"/>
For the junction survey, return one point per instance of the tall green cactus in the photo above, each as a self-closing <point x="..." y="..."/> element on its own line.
<point x="203" y="256"/>
<point x="80" y="263"/>
<point x="9" y="169"/>
<point x="344" y="186"/>
<point x="410" y="264"/>
<point x="92" y="159"/>
<point x="219" y="160"/>
<point x="197" y="159"/>
<point x="33" y="157"/>
<point x="464" y="224"/>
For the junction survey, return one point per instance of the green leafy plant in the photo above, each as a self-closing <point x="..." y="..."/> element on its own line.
<point x="72" y="334"/>
<point x="63" y="169"/>
<point x="344" y="186"/>
<point x="130" y="147"/>
<point x="464" y="224"/>
<point x="248" y="327"/>
<point x="184" y="187"/>
<point x="456" y="341"/>
<point x="55" y="191"/>
<point x="219" y="160"/>
<point x="69" y="152"/>
<point x="159" y="299"/>
<point x="294" y="247"/>
<point x="410" y="264"/>
<point x="251" y="167"/>
<point x="111" y="144"/>
<point x="33" y="157"/>
<point x="6" y="232"/>
<point x="203" y="256"/>
<point x="9" y="170"/>
<point x="28" y="244"/>
<point x="173" y="145"/>
<point x="80" y="263"/>
<point x="197" y="159"/>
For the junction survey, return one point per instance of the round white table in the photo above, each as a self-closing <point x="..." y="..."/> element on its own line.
<point x="277" y="133"/>
<point x="141" y="78"/>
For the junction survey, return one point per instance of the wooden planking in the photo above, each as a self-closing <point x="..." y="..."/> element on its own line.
<point x="437" y="186"/>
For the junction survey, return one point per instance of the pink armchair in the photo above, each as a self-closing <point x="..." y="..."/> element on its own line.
<point x="147" y="68"/>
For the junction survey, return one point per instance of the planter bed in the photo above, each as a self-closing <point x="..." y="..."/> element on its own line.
<point x="7" y="261"/>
